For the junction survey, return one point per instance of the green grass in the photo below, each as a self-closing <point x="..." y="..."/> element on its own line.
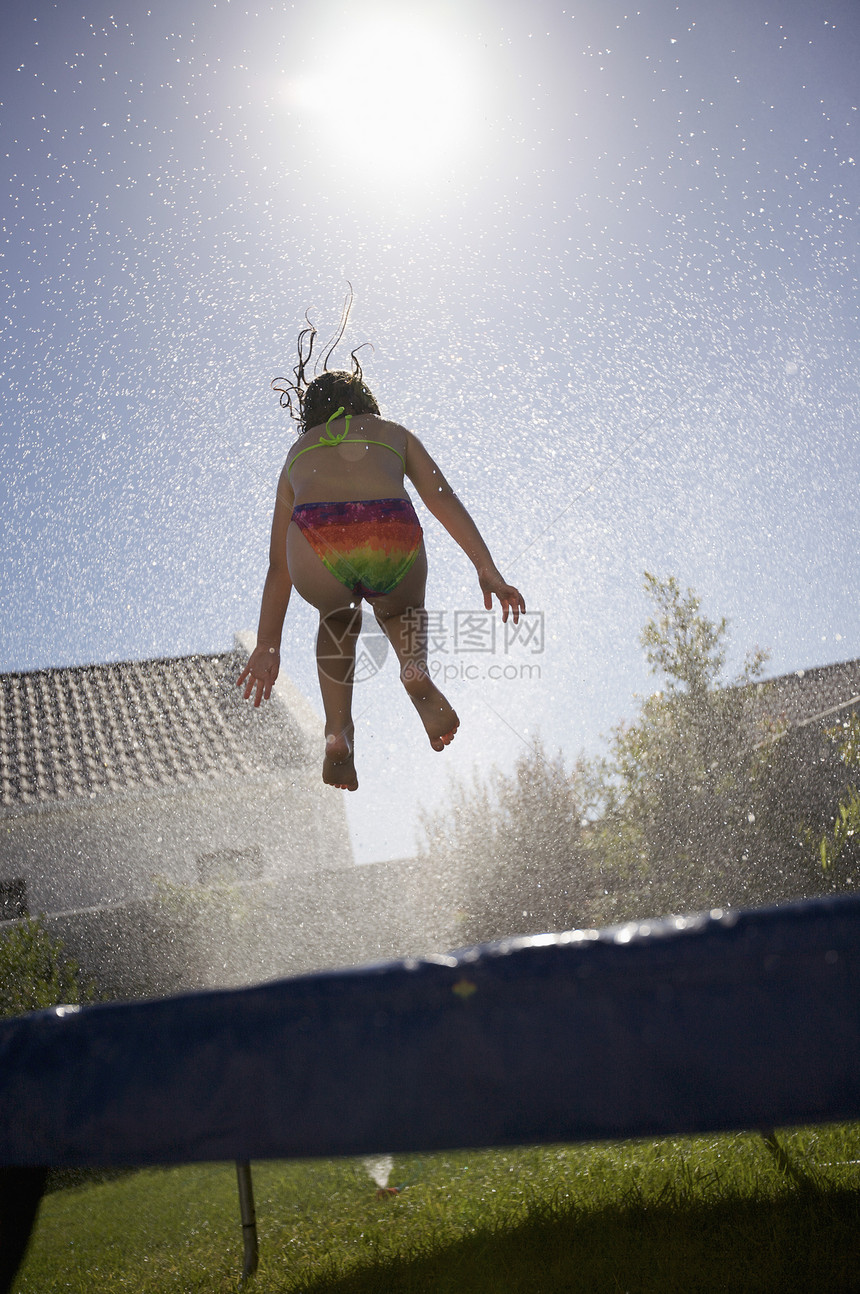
<point x="685" y="1215"/>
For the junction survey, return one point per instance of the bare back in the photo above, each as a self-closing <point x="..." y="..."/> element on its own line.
<point x="352" y="469"/>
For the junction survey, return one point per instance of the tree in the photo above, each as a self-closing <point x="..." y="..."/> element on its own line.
<point x="507" y="850"/>
<point x="706" y="800"/>
<point x="697" y="805"/>
<point x="839" y="847"/>
<point x="34" y="973"/>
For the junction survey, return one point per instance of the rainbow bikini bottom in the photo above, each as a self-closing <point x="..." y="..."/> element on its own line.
<point x="367" y="544"/>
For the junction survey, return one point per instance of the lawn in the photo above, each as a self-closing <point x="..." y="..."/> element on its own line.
<point x="696" y="1214"/>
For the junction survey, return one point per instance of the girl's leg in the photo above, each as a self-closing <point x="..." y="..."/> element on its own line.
<point x="402" y="616"/>
<point x="340" y="622"/>
<point x="336" y="640"/>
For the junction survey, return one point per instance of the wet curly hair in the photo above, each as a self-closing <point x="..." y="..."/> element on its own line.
<point x="312" y="402"/>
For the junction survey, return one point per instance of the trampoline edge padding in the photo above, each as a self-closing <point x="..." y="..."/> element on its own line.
<point x="727" y="1020"/>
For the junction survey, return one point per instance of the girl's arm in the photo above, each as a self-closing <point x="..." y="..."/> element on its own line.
<point x="440" y="499"/>
<point x="264" y="661"/>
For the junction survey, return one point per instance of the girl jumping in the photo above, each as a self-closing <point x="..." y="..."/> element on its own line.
<point x="344" y="530"/>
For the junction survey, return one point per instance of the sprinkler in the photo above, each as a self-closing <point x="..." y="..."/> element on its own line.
<point x="380" y="1167"/>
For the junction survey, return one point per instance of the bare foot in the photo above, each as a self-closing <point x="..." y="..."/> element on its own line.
<point x="338" y="767"/>
<point x="438" y="716"/>
<point x="439" y="743"/>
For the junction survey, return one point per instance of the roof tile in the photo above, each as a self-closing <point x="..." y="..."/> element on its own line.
<point x="806" y="694"/>
<point x="81" y="731"/>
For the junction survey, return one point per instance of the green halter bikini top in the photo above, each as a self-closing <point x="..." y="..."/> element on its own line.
<point x="329" y="438"/>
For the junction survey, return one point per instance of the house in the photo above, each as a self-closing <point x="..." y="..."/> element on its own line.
<point x="118" y="779"/>
<point x="808" y="696"/>
<point x="804" y="706"/>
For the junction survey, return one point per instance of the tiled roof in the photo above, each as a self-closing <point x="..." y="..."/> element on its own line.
<point x="810" y="693"/>
<point x="74" y="733"/>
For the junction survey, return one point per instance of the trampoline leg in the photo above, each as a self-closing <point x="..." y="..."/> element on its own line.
<point x="21" y="1192"/>
<point x="249" y="1217"/>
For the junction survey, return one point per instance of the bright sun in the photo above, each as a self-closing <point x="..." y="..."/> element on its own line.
<point x="394" y="97"/>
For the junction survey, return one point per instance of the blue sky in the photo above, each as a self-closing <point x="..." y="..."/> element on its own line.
<point x="607" y="261"/>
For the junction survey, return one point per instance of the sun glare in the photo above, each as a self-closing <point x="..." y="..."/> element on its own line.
<point x="395" y="98"/>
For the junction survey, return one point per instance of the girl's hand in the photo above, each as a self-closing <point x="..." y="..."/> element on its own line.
<point x="511" y="599"/>
<point x="261" y="671"/>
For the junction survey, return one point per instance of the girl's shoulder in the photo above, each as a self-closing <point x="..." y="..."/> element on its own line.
<point x="375" y="427"/>
<point x="304" y="439"/>
<point x="373" y="420"/>
<point x="379" y="424"/>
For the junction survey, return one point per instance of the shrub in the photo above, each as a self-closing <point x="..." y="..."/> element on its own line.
<point x="34" y="973"/>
